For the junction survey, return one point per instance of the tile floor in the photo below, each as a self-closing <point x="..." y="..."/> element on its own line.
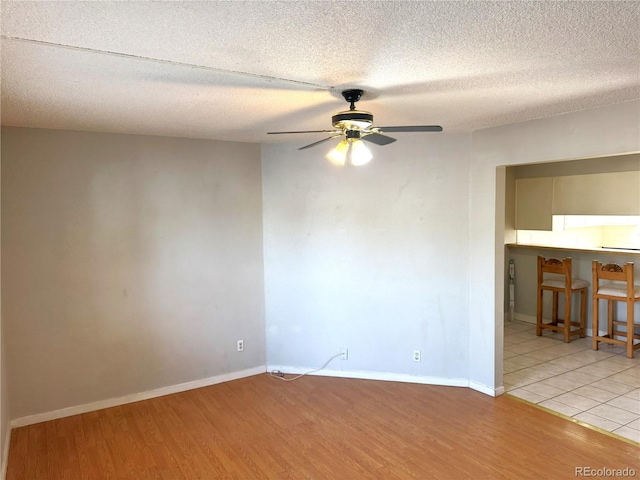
<point x="600" y="388"/>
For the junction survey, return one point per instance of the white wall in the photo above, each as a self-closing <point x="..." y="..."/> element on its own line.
<point x="372" y="258"/>
<point x="130" y="263"/>
<point x="614" y="129"/>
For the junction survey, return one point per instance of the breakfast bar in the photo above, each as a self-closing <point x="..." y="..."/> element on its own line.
<point x="525" y="268"/>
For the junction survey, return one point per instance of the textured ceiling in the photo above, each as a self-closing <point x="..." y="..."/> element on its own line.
<point x="235" y="70"/>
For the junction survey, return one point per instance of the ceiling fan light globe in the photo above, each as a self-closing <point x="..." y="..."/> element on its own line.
<point x="359" y="154"/>
<point x="338" y="155"/>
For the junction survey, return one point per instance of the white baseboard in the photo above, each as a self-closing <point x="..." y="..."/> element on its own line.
<point x="394" y="377"/>
<point x="521" y="317"/>
<point x="365" y="375"/>
<point x="531" y="319"/>
<point x="182" y="387"/>
<point x="5" y="454"/>
<point x="482" y="388"/>
<point x="136" y="397"/>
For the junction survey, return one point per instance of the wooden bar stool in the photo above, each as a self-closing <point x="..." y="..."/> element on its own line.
<point x="623" y="291"/>
<point x="554" y="275"/>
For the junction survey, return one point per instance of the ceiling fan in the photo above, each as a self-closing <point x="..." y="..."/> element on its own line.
<point x="355" y="126"/>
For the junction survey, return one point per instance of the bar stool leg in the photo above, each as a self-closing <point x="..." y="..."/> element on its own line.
<point x="610" y="316"/>
<point x="554" y="313"/>
<point x="583" y="313"/>
<point x="594" y="327"/>
<point x="539" y="314"/>
<point x="630" y="329"/>
<point x="567" y="316"/>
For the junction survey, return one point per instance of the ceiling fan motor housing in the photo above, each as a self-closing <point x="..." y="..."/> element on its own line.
<point x="352" y="120"/>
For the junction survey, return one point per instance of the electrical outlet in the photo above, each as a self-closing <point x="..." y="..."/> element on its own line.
<point x="241" y="345"/>
<point x="344" y="352"/>
<point x="416" y="355"/>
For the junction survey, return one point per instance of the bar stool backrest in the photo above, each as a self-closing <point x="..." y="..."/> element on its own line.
<point x="554" y="266"/>
<point x="614" y="273"/>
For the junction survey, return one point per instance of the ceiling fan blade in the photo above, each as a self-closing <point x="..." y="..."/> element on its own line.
<point x="414" y="128"/>
<point x="307" y="131"/>
<point x="378" y="139"/>
<point x="321" y="141"/>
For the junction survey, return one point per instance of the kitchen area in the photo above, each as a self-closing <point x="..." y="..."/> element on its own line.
<point x="585" y="209"/>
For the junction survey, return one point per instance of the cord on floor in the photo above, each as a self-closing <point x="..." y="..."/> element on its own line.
<point x="281" y="376"/>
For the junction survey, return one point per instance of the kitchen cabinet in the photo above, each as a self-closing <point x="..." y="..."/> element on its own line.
<point x="534" y="203"/>
<point x="598" y="194"/>
<point x="538" y="199"/>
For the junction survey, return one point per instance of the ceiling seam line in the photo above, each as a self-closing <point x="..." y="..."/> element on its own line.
<point x="169" y="62"/>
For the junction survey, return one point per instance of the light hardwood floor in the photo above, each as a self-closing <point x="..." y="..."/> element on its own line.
<point x="315" y="428"/>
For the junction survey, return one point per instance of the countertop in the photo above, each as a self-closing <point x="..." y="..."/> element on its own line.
<point x="614" y="251"/>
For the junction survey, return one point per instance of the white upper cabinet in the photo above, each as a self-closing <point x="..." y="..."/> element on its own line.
<point x="598" y="194"/>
